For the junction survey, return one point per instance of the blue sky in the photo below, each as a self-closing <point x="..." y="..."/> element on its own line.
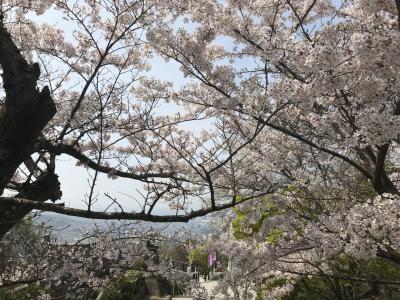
<point x="75" y="180"/>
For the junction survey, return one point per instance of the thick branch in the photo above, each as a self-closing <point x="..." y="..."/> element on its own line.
<point x="70" y="150"/>
<point x="44" y="188"/>
<point x="380" y="180"/>
<point x="313" y="145"/>
<point x="19" y="282"/>
<point x="349" y="278"/>
<point x="281" y="66"/>
<point x="398" y="12"/>
<point x="389" y="255"/>
<point x="118" y="215"/>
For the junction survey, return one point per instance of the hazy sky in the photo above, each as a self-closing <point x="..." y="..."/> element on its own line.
<point x="74" y="179"/>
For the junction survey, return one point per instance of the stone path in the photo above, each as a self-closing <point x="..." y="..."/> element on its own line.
<point x="209" y="285"/>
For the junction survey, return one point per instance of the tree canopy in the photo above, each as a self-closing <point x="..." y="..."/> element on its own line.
<point x="298" y="105"/>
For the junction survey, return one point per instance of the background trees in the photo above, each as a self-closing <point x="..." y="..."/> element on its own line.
<point x="34" y="264"/>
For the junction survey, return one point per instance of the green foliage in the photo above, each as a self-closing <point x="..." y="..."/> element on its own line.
<point x="320" y="287"/>
<point x="314" y="288"/>
<point x="125" y="286"/>
<point x="274" y="235"/>
<point x="199" y="257"/>
<point x="139" y="264"/>
<point x="304" y="204"/>
<point x="31" y="291"/>
<point x="290" y="188"/>
<point x="22" y="238"/>
<point x="366" y="189"/>
<point x="111" y="292"/>
<point x="383" y="269"/>
<point x="238" y="198"/>
<point x="269" y="285"/>
<point x="243" y="230"/>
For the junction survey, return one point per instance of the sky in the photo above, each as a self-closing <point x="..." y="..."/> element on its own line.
<point x="75" y="180"/>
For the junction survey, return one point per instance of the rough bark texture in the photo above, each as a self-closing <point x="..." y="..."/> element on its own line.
<point x="25" y="113"/>
<point x="44" y="188"/>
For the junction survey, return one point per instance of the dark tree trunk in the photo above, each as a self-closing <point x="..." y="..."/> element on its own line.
<point x="44" y="188"/>
<point x="383" y="184"/>
<point x="24" y="114"/>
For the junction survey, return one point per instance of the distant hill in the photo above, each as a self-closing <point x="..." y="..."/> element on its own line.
<point x="69" y="228"/>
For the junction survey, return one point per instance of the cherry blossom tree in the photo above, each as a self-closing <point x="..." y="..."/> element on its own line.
<point x="300" y="101"/>
<point x="80" y="96"/>
<point x="84" y="95"/>
<point x="316" y="79"/>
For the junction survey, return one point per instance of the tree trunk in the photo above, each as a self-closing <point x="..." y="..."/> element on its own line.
<point x="45" y="187"/>
<point x="24" y="114"/>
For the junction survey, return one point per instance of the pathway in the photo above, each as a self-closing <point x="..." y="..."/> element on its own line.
<point x="209" y="285"/>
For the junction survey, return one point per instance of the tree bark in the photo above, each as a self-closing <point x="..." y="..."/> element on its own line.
<point x="24" y="114"/>
<point x="44" y="188"/>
